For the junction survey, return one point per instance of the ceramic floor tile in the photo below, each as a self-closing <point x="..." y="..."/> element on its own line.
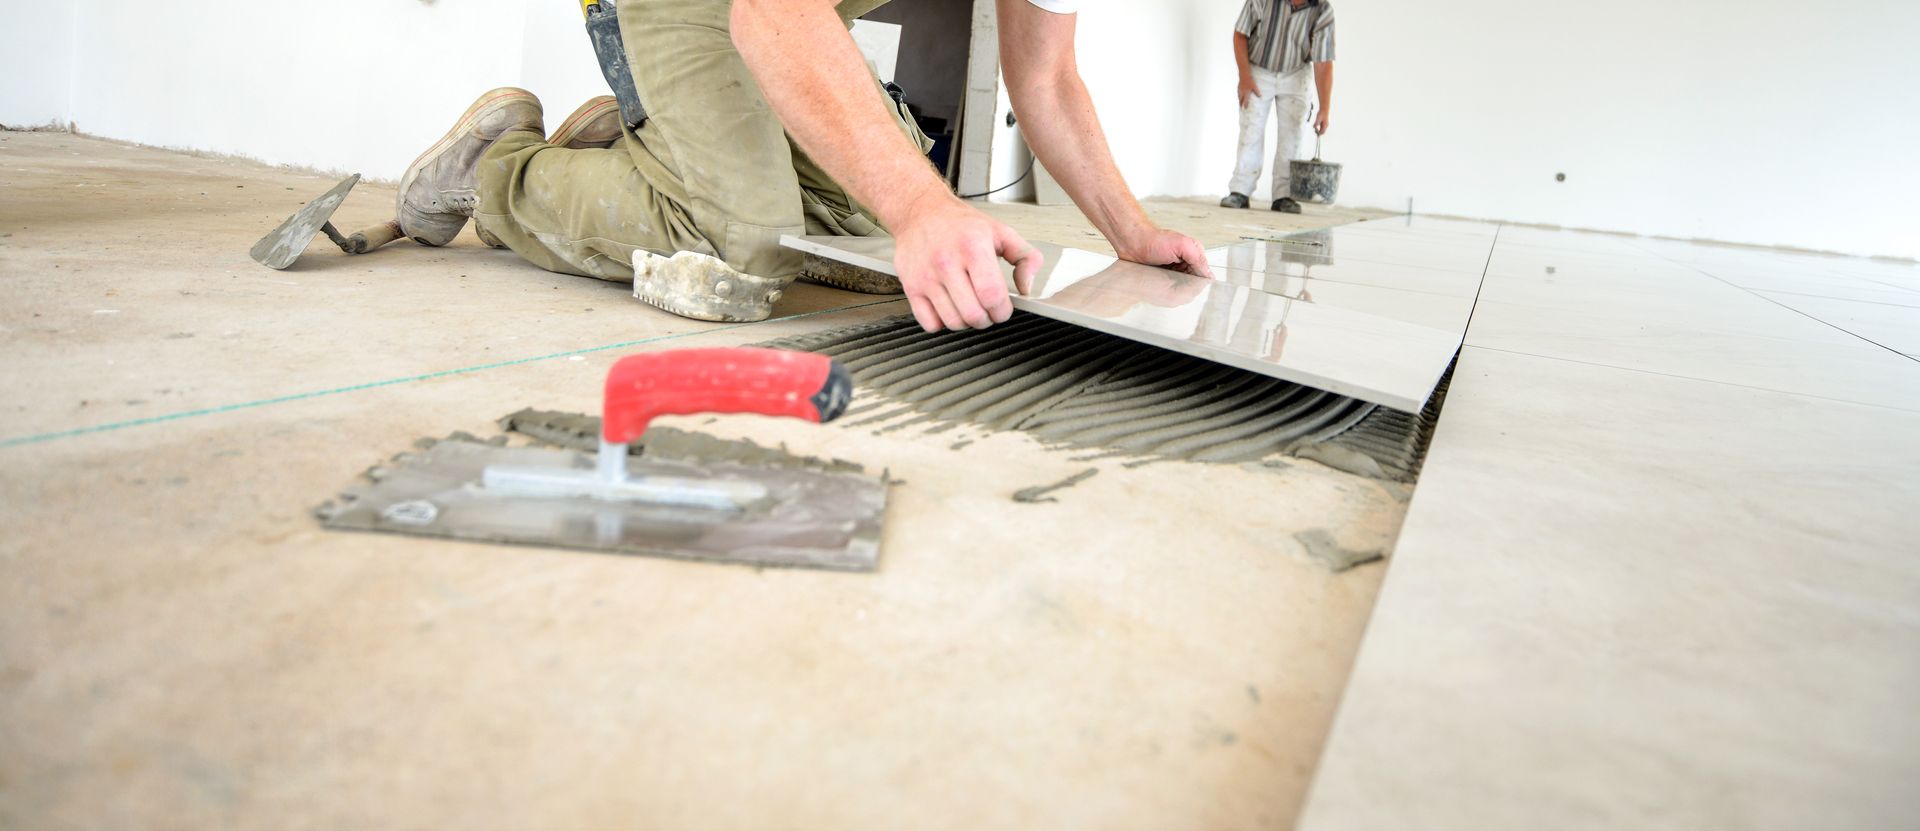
<point x="1469" y="255"/>
<point x="1589" y="303"/>
<point x="1517" y="261"/>
<point x="1778" y="270"/>
<point x="1352" y="353"/>
<point x="1822" y="275"/>
<point x="1818" y="284"/>
<point x="1623" y="600"/>
<point x="1447" y="313"/>
<point x="1618" y="257"/>
<point x="1894" y="327"/>
<point x="1419" y="224"/>
<point x="1901" y="275"/>
<point x="1791" y="354"/>
<point x="1266" y="257"/>
<point x="1566" y="241"/>
<point x="1359" y="234"/>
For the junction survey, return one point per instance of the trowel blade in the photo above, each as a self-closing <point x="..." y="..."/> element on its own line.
<point x="809" y="518"/>
<point x="283" y="246"/>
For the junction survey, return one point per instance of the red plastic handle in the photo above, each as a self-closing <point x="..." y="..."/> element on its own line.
<point x="771" y="382"/>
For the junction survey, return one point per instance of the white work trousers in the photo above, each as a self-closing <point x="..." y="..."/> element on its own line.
<point x="1291" y="97"/>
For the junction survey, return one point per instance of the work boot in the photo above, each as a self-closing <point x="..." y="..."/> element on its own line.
<point x="437" y="193"/>
<point x="703" y="287"/>
<point x="1234" y="200"/>
<point x="1286" y="205"/>
<point x="595" y="125"/>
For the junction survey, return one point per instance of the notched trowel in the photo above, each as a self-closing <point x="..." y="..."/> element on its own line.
<point x="612" y="502"/>
<point x="282" y="246"/>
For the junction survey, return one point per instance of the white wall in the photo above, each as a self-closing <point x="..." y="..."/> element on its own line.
<point x="341" y="85"/>
<point x="36" y="62"/>
<point x="1762" y="121"/>
<point x="348" y="85"/>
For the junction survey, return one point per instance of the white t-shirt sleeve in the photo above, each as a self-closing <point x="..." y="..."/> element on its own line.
<point x="1058" y="6"/>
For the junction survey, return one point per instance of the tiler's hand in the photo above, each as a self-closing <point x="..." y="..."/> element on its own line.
<point x="1320" y="123"/>
<point x="1166" y="249"/>
<point x="948" y="256"/>
<point x="1247" y="90"/>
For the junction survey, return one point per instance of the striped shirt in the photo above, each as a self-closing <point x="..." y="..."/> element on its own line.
<point x="1282" y="38"/>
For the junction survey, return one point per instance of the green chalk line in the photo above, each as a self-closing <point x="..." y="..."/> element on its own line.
<point x="302" y="396"/>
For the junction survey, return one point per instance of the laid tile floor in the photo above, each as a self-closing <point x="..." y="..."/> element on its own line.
<point x="1659" y="571"/>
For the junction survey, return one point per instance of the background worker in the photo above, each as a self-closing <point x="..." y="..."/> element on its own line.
<point x="1274" y="41"/>
<point x="763" y="120"/>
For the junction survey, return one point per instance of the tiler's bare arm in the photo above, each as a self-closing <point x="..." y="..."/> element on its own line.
<point x="1057" y="117"/>
<point x="814" y="77"/>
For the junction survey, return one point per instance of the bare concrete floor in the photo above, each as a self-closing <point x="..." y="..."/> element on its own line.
<point x="182" y="647"/>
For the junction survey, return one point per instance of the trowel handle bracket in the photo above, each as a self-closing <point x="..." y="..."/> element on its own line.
<point x="338" y="239"/>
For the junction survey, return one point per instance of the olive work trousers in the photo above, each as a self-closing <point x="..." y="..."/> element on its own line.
<point x="710" y="171"/>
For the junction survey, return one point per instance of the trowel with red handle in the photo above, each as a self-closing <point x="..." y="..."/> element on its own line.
<point x="611" y="501"/>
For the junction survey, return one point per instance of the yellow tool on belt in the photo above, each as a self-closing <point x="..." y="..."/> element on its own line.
<point x="603" y="28"/>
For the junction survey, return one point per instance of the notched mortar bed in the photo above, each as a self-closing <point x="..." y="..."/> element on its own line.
<point x="1076" y="388"/>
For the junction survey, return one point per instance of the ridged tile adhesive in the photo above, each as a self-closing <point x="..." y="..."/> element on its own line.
<point x="1077" y="388"/>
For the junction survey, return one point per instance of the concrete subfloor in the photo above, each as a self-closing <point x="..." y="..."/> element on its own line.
<point x="181" y="646"/>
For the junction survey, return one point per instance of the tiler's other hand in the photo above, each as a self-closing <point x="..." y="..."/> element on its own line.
<point x="1166" y="249"/>
<point x="1320" y="123"/>
<point x="1247" y="90"/>
<point x="948" y="256"/>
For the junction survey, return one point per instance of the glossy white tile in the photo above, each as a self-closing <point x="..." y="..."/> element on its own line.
<point x="1366" y="356"/>
<point x="1467" y="254"/>
<point x="1282" y="258"/>
<point x="1421" y="224"/>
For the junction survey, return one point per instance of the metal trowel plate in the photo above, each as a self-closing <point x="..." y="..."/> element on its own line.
<point x="284" y="245"/>
<point x="810" y="518"/>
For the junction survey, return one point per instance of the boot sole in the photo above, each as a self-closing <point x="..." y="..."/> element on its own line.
<point x="570" y="129"/>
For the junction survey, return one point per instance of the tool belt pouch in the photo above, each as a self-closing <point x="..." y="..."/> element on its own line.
<point x="603" y="28"/>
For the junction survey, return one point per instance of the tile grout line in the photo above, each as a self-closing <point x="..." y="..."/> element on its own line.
<point x="1677" y="377"/>
<point x="1906" y="289"/>
<point x="1780" y="304"/>
<point x="40" y="438"/>
<point x="1841" y="299"/>
<point x="1492" y="246"/>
